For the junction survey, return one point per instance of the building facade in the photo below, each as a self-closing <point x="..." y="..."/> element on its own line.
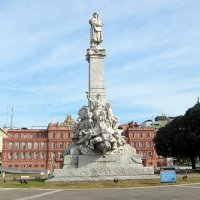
<point x="25" y="149"/>
<point x="36" y="149"/>
<point x="142" y="139"/>
<point x="59" y="138"/>
<point x="3" y="134"/>
<point x="158" y="122"/>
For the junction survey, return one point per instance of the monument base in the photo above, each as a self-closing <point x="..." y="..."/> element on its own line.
<point x="98" y="167"/>
<point x="100" y="178"/>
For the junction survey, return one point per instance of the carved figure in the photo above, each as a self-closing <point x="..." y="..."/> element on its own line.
<point x="98" y="128"/>
<point x="89" y="122"/>
<point x="96" y="36"/>
<point x="104" y="147"/>
<point x="82" y="114"/>
<point x="95" y="140"/>
<point x="101" y="121"/>
<point x="109" y="114"/>
<point x="96" y="106"/>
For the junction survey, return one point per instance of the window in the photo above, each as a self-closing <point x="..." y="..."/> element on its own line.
<point x="17" y="155"/>
<point x="42" y="135"/>
<point x="133" y="144"/>
<point x="61" y="145"/>
<point x="31" y="136"/>
<point x="42" y="145"/>
<point x="53" y="145"/>
<point x="36" y="144"/>
<point x="150" y="154"/>
<point x="141" y="145"/>
<point x="53" y="155"/>
<point x="148" y="134"/>
<point x="42" y="155"/>
<point x="149" y="144"/>
<point x="141" y="135"/>
<point x="10" y="156"/>
<point x="42" y="165"/>
<point x="25" y="136"/>
<point x="30" y="155"/>
<point x="60" y="155"/>
<point x="10" y="145"/>
<point x="19" y="136"/>
<point x="17" y="145"/>
<point x="36" y="155"/>
<point x="61" y="135"/>
<point x="23" y="145"/>
<point x="54" y="135"/>
<point x="16" y="165"/>
<point x="30" y="145"/>
<point x="23" y="155"/>
<point x="133" y="134"/>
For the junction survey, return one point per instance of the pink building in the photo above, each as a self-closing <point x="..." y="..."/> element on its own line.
<point x="142" y="139"/>
<point x="36" y="149"/>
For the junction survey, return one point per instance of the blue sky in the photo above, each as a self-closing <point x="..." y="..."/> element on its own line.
<point x="152" y="64"/>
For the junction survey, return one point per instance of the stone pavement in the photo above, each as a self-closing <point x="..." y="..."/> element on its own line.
<point x="175" y="192"/>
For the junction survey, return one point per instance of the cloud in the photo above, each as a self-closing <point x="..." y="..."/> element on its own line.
<point x="152" y="64"/>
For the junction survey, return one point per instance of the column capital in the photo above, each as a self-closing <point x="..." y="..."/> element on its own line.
<point x="94" y="52"/>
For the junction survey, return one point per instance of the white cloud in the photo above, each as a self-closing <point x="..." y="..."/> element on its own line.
<point x="152" y="64"/>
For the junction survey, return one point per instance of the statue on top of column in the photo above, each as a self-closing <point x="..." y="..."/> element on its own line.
<point x="96" y="36"/>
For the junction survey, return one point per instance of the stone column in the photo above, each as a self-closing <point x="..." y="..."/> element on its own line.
<point x="95" y="57"/>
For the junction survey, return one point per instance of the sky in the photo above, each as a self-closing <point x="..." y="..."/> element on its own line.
<point x="152" y="65"/>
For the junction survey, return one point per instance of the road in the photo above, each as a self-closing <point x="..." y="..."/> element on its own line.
<point x="175" y="192"/>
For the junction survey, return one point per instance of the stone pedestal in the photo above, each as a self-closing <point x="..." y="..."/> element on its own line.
<point x="123" y="165"/>
<point x="95" y="57"/>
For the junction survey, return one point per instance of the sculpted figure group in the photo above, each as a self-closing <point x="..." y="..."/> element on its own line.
<point x="97" y="128"/>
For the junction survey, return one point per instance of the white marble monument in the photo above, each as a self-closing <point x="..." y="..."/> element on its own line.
<point x="98" y="151"/>
<point x="95" y="57"/>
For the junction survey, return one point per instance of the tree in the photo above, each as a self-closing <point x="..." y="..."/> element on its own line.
<point x="181" y="137"/>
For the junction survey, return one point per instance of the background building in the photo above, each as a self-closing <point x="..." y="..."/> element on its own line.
<point x="142" y="139"/>
<point x="158" y="122"/>
<point x="59" y="138"/>
<point x="36" y="149"/>
<point x="25" y="149"/>
<point x="3" y="134"/>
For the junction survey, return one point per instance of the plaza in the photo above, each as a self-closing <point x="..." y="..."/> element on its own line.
<point x="173" y="192"/>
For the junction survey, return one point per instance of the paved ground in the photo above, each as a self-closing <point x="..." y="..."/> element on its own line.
<point x="181" y="192"/>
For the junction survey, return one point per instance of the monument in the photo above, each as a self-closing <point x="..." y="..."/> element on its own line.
<point x="95" y="57"/>
<point x="98" y="151"/>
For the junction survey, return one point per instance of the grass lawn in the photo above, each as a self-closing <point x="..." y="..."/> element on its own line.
<point x="32" y="183"/>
